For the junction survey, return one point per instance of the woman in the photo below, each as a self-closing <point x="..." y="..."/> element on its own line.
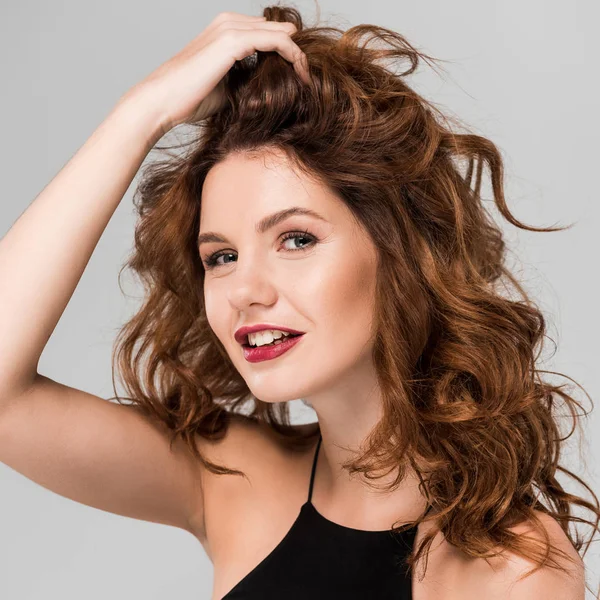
<point x="328" y="208"/>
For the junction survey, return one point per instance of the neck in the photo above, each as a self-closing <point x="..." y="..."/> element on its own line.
<point x="346" y="417"/>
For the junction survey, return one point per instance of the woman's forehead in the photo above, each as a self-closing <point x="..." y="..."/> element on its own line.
<point x="253" y="188"/>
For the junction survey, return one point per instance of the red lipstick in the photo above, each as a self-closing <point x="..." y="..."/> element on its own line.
<point x="260" y="353"/>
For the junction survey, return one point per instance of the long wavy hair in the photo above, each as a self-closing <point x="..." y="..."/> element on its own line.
<point x="464" y="404"/>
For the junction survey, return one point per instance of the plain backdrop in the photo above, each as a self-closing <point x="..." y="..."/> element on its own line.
<point x="523" y="73"/>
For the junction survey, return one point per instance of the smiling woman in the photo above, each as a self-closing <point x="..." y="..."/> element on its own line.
<point x="326" y="239"/>
<point x="363" y="228"/>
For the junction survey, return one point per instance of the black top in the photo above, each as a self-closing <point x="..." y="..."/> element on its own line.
<point x="319" y="559"/>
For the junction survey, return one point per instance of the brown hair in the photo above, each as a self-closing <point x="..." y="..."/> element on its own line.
<point x="464" y="404"/>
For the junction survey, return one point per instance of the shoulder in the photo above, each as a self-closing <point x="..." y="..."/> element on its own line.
<point x="248" y="442"/>
<point x="273" y="474"/>
<point x="507" y="575"/>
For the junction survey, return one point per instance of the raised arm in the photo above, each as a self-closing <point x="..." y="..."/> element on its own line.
<point x="102" y="454"/>
<point x="45" y="252"/>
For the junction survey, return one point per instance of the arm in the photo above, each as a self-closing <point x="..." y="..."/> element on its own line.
<point x="44" y="254"/>
<point x="102" y="454"/>
<point x="106" y="455"/>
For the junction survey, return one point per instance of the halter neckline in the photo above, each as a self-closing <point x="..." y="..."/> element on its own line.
<point x="311" y="505"/>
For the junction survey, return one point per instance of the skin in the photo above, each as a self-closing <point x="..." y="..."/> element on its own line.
<point x="325" y="289"/>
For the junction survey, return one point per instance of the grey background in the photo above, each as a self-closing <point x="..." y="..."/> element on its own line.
<point x="523" y="73"/>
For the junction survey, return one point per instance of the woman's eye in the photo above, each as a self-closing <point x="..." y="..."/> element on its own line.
<point x="308" y="241"/>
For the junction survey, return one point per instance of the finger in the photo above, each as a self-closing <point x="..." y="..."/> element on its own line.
<point x="266" y="40"/>
<point x="223" y="27"/>
<point x="225" y="17"/>
<point x="222" y="19"/>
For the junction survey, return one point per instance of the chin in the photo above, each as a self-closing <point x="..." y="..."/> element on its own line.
<point x="272" y="399"/>
<point x="270" y="394"/>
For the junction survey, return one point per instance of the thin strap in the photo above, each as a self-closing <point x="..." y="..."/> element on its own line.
<point x="314" y="467"/>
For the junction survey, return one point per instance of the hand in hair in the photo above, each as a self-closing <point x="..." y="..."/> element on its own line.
<point x="189" y="86"/>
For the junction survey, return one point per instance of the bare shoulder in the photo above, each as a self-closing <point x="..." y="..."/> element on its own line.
<point x="251" y="446"/>
<point x="507" y="576"/>
<point x="273" y="477"/>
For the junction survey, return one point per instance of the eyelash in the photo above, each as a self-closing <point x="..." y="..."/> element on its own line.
<point x="211" y="261"/>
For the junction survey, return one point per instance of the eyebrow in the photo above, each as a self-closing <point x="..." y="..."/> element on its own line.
<point x="264" y="224"/>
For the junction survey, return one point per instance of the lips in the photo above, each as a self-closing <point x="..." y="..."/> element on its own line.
<point x="254" y="354"/>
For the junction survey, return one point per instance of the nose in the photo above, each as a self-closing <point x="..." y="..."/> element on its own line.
<point x="250" y="284"/>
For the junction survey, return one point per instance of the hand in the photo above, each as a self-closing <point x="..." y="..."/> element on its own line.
<point x="189" y="86"/>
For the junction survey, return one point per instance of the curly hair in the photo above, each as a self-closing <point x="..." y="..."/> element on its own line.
<point x="464" y="404"/>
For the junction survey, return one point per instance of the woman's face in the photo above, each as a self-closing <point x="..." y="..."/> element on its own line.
<point x="321" y="282"/>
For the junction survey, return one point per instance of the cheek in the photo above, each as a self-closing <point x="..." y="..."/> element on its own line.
<point x="215" y="313"/>
<point x="344" y="300"/>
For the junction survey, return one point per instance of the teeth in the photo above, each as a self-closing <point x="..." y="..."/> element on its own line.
<point x="261" y="338"/>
